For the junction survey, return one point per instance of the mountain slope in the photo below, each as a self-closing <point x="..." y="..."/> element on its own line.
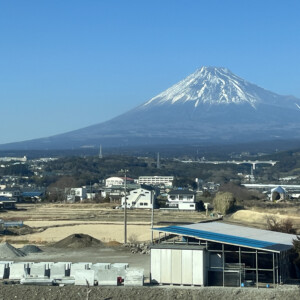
<point x="211" y="105"/>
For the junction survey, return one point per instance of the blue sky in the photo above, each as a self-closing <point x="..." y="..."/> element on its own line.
<point x="66" y="64"/>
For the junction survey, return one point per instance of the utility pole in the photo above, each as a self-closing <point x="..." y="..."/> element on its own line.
<point x="152" y="215"/>
<point x="91" y="191"/>
<point x="252" y="179"/>
<point x="125" y="209"/>
<point x="158" y="161"/>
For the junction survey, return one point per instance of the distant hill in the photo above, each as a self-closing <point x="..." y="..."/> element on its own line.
<point x="211" y="106"/>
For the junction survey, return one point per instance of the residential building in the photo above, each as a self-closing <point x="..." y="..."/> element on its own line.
<point x="143" y="197"/>
<point x="13" y="193"/>
<point x="182" y="199"/>
<point x="76" y="194"/>
<point x="111" y="181"/>
<point x="7" y="203"/>
<point x="116" y="191"/>
<point x="156" y="180"/>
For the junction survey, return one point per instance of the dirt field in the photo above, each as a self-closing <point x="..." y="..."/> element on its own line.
<point x="57" y="221"/>
<point x="53" y="222"/>
<point x="101" y="231"/>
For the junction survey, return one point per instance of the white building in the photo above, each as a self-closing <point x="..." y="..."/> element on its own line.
<point x="13" y="193"/>
<point x="76" y="194"/>
<point x="156" y="180"/>
<point x="142" y="197"/>
<point x="182" y="199"/>
<point x="111" y="181"/>
<point x="8" y="159"/>
<point x="278" y="194"/>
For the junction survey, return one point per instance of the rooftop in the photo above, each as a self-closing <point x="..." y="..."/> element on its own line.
<point x="235" y="235"/>
<point x="181" y="192"/>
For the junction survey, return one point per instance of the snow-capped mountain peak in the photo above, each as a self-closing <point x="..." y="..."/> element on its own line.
<point x="209" y="85"/>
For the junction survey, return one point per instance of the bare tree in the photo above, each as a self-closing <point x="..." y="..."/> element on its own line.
<point x="285" y="225"/>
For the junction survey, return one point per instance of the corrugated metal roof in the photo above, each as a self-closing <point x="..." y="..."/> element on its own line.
<point x="279" y="190"/>
<point x="235" y="235"/>
<point x="178" y="246"/>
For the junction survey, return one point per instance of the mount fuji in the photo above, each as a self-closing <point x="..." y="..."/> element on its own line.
<point x="212" y="105"/>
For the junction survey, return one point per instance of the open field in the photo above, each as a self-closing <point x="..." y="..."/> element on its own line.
<point x="95" y="212"/>
<point x="53" y="222"/>
<point x="100" y="231"/>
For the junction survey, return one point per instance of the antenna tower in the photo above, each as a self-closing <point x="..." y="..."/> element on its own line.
<point x="157" y="161"/>
<point x="100" y="152"/>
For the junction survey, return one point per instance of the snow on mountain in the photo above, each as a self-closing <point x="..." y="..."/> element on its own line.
<point x="212" y="105"/>
<point x="210" y="85"/>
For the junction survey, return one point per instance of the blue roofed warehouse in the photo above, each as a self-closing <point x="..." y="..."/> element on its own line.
<point x="220" y="254"/>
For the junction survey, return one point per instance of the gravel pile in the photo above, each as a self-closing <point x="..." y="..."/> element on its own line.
<point x="142" y="248"/>
<point x="78" y="241"/>
<point x="31" y="249"/>
<point x="9" y="251"/>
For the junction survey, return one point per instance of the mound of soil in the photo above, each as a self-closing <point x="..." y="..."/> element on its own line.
<point x="31" y="249"/>
<point x="78" y="241"/>
<point x="113" y="244"/>
<point x="9" y="251"/>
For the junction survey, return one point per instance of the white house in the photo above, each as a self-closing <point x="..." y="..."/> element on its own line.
<point x="74" y="194"/>
<point x="143" y="197"/>
<point x="182" y="199"/>
<point x="13" y="193"/>
<point x="111" y="181"/>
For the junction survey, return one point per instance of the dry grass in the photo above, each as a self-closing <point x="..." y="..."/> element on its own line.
<point x="96" y="220"/>
<point x="259" y="219"/>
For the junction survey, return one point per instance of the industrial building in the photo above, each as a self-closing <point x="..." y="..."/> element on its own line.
<point x="220" y="254"/>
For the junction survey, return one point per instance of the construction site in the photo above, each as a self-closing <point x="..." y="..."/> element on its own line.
<point x="58" y="250"/>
